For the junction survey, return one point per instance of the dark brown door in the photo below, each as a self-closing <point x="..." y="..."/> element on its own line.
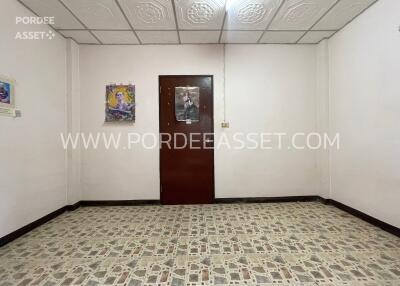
<point x="186" y="165"/>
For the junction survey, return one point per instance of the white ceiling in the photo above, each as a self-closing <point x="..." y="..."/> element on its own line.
<point x="133" y="22"/>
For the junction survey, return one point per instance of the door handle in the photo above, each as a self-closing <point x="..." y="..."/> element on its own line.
<point x="208" y="141"/>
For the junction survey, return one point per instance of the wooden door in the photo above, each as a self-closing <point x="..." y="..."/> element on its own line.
<point x="186" y="109"/>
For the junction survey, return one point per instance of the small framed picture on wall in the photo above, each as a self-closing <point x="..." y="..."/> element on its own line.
<point x="7" y="97"/>
<point x="120" y="103"/>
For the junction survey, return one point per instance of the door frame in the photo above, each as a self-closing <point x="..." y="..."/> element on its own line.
<point x="212" y="128"/>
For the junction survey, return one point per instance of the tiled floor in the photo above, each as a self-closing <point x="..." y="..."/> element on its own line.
<point x="233" y="244"/>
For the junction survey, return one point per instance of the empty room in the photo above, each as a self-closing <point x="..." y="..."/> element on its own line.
<point x="200" y="142"/>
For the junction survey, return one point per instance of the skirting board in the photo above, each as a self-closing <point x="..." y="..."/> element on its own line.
<point x="374" y="221"/>
<point x="29" y="227"/>
<point x="19" y="232"/>
<point x="267" y="199"/>
<point x="119" y="203"/>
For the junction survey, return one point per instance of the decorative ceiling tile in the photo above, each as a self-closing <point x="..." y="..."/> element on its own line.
<point x="314" y="37"/>
<point x="149" y="14"/>
<point x="300" y="14"/>
<point x="342" y="13"/>
<point x="116" y="37"/>
<point x="240" y="37"/>
<point x="199" y="37"/>
<point x="281" y="37"/>
<point x="82" y="37"/>
<point x="49" y="8"/>
<point x="158" y="37"/>
<point x="200" y="14"/>
<point x="98" y="14"/>
<point x="250" y="14"/>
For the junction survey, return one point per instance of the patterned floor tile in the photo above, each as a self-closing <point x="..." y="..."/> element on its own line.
<point x="222" y="244"/>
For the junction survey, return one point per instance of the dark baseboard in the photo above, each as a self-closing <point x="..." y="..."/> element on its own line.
<point x="118" y="203"/>
<point x="73" y="207"/>
<point x="267" y="199"/>
<point x="29" y="227"/>
<point x="23" y="230"/>
<point x="374" y="221"/>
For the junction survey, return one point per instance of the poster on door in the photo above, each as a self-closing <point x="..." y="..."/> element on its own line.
<point x="187" y="102"/>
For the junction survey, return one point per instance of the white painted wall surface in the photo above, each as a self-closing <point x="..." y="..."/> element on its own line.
<point x="322" y="117"/>
<point x="365" y="109"/>
<point x="133" y="174"/>
<point x="32" y="161"/>
<point x="269" y="89"/>
<point x="74" y="192"/>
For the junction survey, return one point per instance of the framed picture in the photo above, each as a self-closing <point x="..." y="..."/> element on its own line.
<point x="120" y="103"/>
<point x="7" y="99"/>
<point x="187" y="102"/>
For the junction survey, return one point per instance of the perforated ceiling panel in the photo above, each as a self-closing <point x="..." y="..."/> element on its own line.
<point x="116" y="37"/>
<point x="300" y="14"/>
<point x="240" y="37"/>
<point x="98" y="14"/>
<point x="149" y="14"/>
<point x="63" y="18"/>
<point x="158" y="37"/>
<point x="342" y="13"/>
<point x="250" y="14"/>
<point x="199" y="37"/>
<point x="200" y="14"/>
<point x="198" y="21"/>
<point x="281" y="37"/>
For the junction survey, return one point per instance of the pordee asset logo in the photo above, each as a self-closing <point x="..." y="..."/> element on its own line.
<point x="34" y="35"/>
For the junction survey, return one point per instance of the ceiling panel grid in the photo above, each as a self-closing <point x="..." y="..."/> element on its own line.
<point x="133" y="22"/>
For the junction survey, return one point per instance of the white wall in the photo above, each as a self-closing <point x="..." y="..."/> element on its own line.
<point x="269" y="88"/>
<point x="322" y="117"/>
<point x="74" y="192"/>
<point x="133" y="174"/>
<point x="282" y="78"/>
<point x="32" y="164"/>
<point x="365" y="109"/>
